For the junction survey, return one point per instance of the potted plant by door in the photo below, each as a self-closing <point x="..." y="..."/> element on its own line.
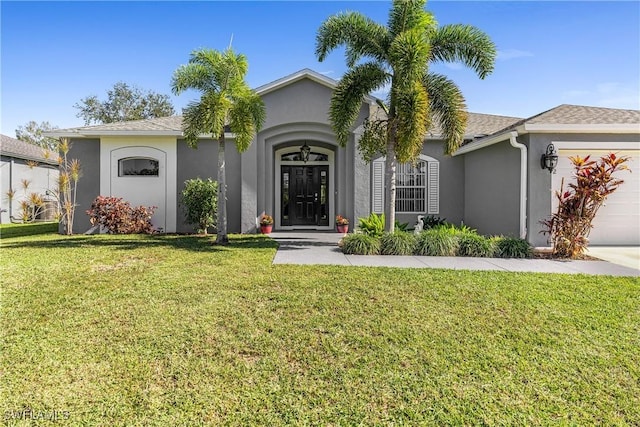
<point x="266" y="224"/>
<point x="342" y="223"/>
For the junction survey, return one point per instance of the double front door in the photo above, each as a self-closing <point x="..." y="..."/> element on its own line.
<point x="304" y="198"/>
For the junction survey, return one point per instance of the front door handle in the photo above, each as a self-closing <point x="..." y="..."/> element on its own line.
<point x="315" y="197"/>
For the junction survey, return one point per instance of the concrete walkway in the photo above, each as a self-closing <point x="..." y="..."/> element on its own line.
<point x="322" y="248"/>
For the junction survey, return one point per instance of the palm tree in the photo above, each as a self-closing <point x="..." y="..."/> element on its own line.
<point x="399" y="55"/>
<point x="226" y="104"/>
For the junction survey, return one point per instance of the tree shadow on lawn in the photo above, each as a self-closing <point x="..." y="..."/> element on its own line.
<point x="195" y="243"/>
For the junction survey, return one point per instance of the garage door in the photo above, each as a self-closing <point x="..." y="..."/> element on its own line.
<point x="618" y="221"/>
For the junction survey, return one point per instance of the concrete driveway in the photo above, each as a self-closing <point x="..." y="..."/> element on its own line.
<point x="628" y="256"/>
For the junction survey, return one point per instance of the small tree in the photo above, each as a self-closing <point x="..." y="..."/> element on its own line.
<point x="200" y="199"/>
<point x="67" y="185"/>
<point x="570" y="226"/>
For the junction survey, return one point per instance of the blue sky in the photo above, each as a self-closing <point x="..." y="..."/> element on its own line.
<point x="550" y="53"/>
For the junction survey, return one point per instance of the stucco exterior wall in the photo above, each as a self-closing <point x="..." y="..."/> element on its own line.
<point x="492" y="190"/>
<point x="87" y="151"/>
<point x="539" y="184"/>
<point x="202" y="162"/>
<point x="12" y="171"/>
<point x="297" y="113"/>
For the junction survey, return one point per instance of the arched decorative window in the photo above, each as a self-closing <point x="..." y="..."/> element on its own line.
<point x="296" y="157"/>
<point x="417" y="186"/>
<point x="138" y="166"/>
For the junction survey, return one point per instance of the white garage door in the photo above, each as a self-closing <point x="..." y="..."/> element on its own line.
<point x="618" y="221"/>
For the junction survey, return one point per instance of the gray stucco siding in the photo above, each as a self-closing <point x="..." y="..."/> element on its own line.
<point x="539" y="193"/>
<point x="492" y="190"/>
<point x="87" y="151"/>
<point x="202" y="162"/>
<point x="451" y="181"/>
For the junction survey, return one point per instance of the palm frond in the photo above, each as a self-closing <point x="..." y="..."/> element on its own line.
<point x="408" y="54"/>
<point x="192" y="76"/>
<point x="347" y="98"/>
<point x="412" y="119"/>
<point x="246" y="116"/>
<point x="361" y="36"/>
<point x="466" y="44"/>
<point x="406" y="15"/>
<point x="448" y="107"/>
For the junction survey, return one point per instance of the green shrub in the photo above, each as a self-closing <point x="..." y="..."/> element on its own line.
<point x="473" y="244"/>
<point x="398" y="243"/>
<point x="360" y="244"/>
<point x="431" y="221"/>
<point x="373" y="225"/>
<point x="455" y="230"/>
<point x="401" y="226"/>
<point x="513" y="247"/>
<point x="439" y="241"/>
<point x="200" y="200"/>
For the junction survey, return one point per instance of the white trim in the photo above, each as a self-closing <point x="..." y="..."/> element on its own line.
<point x="597" y="145"/>
<point x="523" y="182"/>
<point x="137" y="133"/>
<point x="330" y="194"/>
<point x="583" y="128"/>
<point x="481" y="143"/>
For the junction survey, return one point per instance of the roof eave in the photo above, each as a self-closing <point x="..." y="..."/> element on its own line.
<point x="97" y="133"/>
<point x="583" y="128"/>
<point x="485" y="142"/>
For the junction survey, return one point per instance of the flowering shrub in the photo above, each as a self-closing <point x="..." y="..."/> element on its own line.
<point x="118" y="217"/>
<point x="570" y="226"/>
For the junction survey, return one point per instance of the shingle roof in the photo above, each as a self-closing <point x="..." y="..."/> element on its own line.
<point x="171" y="123"/>
<point x="567" y="114"/>
<point x="12" y="147"/>
<point x="480" y="124"/>
<point x="581" y="114"/>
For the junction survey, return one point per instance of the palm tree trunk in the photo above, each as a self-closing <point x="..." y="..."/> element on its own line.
<point x="390" y="189"/>
<point x="222" y="238"/>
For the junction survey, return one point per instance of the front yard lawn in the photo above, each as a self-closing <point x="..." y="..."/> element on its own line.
<point x="170" y="330"/>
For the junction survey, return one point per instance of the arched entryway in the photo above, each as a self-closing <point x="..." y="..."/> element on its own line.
<point x="305" y="187"/>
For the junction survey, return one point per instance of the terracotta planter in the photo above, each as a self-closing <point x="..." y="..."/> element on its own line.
<point x="343" y="228"/>
<point x="266" y="229"/>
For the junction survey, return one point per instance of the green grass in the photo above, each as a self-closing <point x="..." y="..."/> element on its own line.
<point x="170" y="330"/>
<point x="19" y="230"/>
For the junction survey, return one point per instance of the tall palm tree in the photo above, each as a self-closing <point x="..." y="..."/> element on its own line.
<point x="226" y="104"/>
<point x="399" y="55"/>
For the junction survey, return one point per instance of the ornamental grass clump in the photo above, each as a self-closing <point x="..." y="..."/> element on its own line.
<point x="475" y="245"/>
<point x="397" y="243"/>
<point x="360" y="244"/>
<point x="512" y="247"/>
<point x="569" y="227"/>
<point x="439" y="241"/>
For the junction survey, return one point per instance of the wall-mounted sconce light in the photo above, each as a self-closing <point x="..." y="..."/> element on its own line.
<point x="549" y="160"/>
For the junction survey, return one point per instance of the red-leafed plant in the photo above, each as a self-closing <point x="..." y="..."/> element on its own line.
<point x="118" y="217"/>
<point x="570" y="225"/>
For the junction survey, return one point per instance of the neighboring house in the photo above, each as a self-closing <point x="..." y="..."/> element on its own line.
<point x="493" y="183"/>
<point x="20" y="163"/>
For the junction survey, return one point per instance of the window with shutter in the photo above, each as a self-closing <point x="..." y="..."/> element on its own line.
<point x="417" y="186"/>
